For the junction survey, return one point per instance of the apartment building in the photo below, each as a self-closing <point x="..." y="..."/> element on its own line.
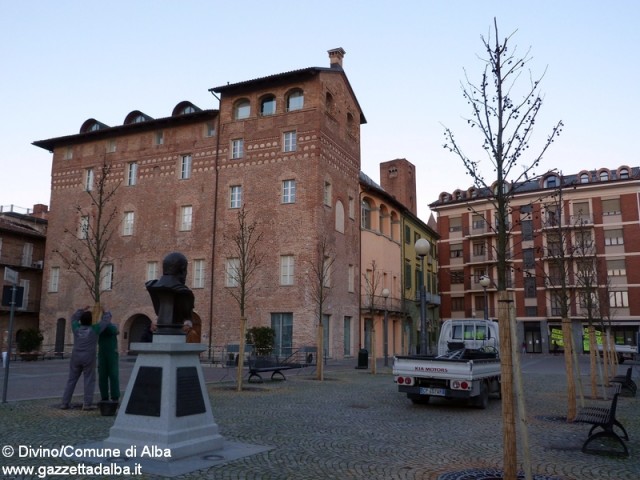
<point x="22" y="250"/>
<point x="393" y="274"/>
<point x="284" y="148"/>
<point x="561" y="227"/>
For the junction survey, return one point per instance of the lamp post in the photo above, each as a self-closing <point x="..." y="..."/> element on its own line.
<point x="422" y="247"/>
<point x="385" y="326"/>
<point x="484" y="283"/>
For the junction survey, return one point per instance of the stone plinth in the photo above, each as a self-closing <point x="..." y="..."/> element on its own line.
<point x="166" y="405"/>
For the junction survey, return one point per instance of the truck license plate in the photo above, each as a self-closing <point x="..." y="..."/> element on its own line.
<point x="432" y="391"/>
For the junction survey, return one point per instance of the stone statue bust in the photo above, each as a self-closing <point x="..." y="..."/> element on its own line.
<point x="172" y="299"/>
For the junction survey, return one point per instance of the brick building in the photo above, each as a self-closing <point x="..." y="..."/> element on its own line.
<point x="594" y="219"/>
<point x="285" y="148"/>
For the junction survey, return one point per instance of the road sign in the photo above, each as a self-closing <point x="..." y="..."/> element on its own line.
<point x="6" y="295"/>
<point x="10" y="276"/>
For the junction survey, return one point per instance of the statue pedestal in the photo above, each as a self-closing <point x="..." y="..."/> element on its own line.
<point x="166" y="411"/>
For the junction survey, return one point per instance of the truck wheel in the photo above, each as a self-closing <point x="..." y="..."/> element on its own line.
<point x="482" y="400"/>
<point x="418" y="399"/>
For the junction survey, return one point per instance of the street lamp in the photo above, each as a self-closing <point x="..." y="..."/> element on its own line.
<point x="484" y="283"/>
<point x="422" y="247"/>
<point x="385" y="325"/>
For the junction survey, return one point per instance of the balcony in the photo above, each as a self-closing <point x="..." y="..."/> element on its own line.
<point x="379" y="304"/>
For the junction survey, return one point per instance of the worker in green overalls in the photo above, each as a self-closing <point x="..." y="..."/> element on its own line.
<point x="108" y="364"/>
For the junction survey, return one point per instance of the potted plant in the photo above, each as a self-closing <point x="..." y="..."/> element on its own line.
<point x="262" y="339"/>
<point x="29" y="343"/>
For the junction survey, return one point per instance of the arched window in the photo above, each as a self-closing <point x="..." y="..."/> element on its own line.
<point x="383" y="218"/>
<point x="268" y="105"/>
<point x="328" y="102"/>
<point x="604" y="176"/>
<point x="623" y="173"/>
<point x="551" y="181"/>
<point x="242" y="109"/>
<point x="395" y="225"/>
<point x="295" y="100"/>
<point x="365" y="214"/>
<point x="584" y="178"/>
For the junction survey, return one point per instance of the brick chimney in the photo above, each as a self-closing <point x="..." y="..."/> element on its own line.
<point x="335" y="57"/>
<point x="40" y="211"/>
<point x="398" y="178"/>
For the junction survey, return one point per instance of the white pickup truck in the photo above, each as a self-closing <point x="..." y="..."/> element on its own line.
<point x="467" y="365"/>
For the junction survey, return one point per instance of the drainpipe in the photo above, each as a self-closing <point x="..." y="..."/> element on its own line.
<point x="215" y="222"/>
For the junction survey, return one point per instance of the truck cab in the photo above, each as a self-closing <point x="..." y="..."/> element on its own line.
<point x="471" y="334"/>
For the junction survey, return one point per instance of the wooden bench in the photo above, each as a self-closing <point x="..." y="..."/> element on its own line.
<point x="627" y="385"/>
<point x="603" y="418"/>
<point x="263" y="364"/>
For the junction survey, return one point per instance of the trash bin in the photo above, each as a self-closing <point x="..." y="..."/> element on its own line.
<point x="363" y="359"/>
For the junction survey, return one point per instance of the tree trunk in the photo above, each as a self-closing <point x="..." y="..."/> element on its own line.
<point x="593" y="352"/>
<point x="320" y="359"/>
<point x="510" y="451"/>
<point x="567" y="338"/>
<point x="374" y="366"/>
<point x="240" y="371"/>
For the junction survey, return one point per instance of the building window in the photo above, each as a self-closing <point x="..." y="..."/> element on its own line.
<point x="289" y="191"/>
<point x="530" y="287"/>
<point x="242" y="109"/>
<point x="111" y="145"/>
<point x="604" y="176"/>
<point x="478" y="222"/>
<point x="347" y="336"/>
<point x="528" y="258"/>
<point x="209" y="129"/>
<point x="235" y="196"/>
<point x="326" y="271"/>
<point x="68" y="153"/>
<point x="132" y="173"/>
<point x="407" y="274"/>
<point x="185" y="167"/>
<point x="531" y="311"/>
<point x="339" y="217"/>
<point x="611" y="207"/>
<point x="527" y="229"/>
<point x="289" y="141"/>
<point x="455" y="224"/>
<point x="478" y="249"/>
<point x="457" y="277"/>
<point x="268" y="105"/>
<point x="352" y="207"/>
<point x="365" y="214"/>
<point x="127" y="224"/>
<point x="613" y="237"/>
<point x="327" y="193"/>
<point x="54" y="279"/>
<point x="83" y="228"/>
<point x="232" y="272"/>
<point x="237" y="148"/>
<point x="152" y="271"/>
<point x="456" y="250"/>
<point x="282" y="325"/>
<point x="88" y="179"/>
<point x="198" y="273"/>
<point x="107" y="277"/>
<point x="619" y="299"/>
<point x="551" y="182"/>
<point x="186" y="218"/>
<point x="159" y="137"/>
<point x="286" y="269"/>
<point x="27" y="255"/>
<point x="457" y="304"/>
<point x="616" y="268"/>
<point x="295" y="100"/>
<point x="584" y="178"/>
<point x="623" y="174"/>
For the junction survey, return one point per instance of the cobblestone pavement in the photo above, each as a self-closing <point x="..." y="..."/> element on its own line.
<point x="355" y="425"/>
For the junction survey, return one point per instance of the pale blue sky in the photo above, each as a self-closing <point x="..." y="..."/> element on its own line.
<point x="66" y="61"/>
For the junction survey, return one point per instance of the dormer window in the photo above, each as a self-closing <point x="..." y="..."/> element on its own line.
<point x="295" y="100"/>
<point x="584" y="178"/>
<point x="551" y="182"/>
<point x="268" y="105"/>
<point x="604" y="176"/>
<point x="242" y="109"/>
<point x="623" y="174"/>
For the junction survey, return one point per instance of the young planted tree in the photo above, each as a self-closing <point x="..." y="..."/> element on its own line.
<point x="243" y="260"/>
<point x="86" y="250"/>
<point x="504" y="116"/>
<point x="372" y="283"/>
<point x="320" y="281"/>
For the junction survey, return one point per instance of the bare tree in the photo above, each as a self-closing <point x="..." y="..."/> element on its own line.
<point x="505" y="119"/>
<point x="243" y="261"/>
<point x="372" y="281"/>
<point x="320" y="281"/>
<point x="86" y="250"/>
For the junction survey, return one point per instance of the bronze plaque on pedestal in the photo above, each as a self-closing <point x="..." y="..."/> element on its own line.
<point x="189" y="399"/>
<point x="146" y="394"/>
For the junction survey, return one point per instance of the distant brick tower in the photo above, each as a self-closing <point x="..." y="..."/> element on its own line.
<point x="398" y="178"/>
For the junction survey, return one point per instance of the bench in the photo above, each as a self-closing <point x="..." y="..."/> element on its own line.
<point x="603" y="418"/>
<point x="627" y="385"/>
<point x="268" y="363"/>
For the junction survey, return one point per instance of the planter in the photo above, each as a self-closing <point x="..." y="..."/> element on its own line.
<point x="108" y="408"/>
<point x="29" y="356"/>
